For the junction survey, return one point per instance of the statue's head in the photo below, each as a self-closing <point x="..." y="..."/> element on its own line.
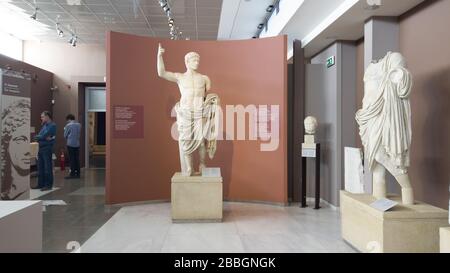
<point x="192" y="60"/>
<point x="310" y="125"/>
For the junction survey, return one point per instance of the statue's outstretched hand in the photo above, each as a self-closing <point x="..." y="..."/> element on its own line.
<point x="161" y="50"/>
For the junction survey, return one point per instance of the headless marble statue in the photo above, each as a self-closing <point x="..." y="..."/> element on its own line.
<point x="197" y="112"/>
<point x="385" y="123"/>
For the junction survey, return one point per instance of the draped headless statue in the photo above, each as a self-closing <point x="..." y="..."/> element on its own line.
<point x="197" y="112"/>
<point x="385" y="123"/>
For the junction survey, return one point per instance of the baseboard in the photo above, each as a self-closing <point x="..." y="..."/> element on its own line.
<point x="322" y="202"/>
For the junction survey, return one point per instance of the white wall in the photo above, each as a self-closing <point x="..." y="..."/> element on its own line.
<point x="70" y="65"/>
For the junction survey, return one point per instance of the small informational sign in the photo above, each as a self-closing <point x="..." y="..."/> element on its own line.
<point x="331" y="61"/>
<point x="309" y="152"/>
<point x="128" y="121"/>
<point x="383" y="204"/>
<point x="211" y="172"/>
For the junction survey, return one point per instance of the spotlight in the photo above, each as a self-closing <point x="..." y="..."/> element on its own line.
<point x="373" y="5"/>
<point x="73" y="40"/>
<point x="270" y="8"/>
<point x="34" y="15"/>
<point x="59" y="31"/>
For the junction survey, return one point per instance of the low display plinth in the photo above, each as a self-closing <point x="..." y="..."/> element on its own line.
<point x="196" y="199"/>
<point x="403" y="229"/>
<point x="445" y="239"/>
<point x="20" y="226"/>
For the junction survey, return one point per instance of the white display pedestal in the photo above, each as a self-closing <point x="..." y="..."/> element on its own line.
<point x="403" y="229"/>
<point x="20" y="226"/>
<point x="196" y="198"/>
<point x="444" y="235"/>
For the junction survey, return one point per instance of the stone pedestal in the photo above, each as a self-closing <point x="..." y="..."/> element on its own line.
<point x="445" y="240"/>
<point x="196" y="198"/>
<point x="20" y="226"/>
<point x="403" y="229"/>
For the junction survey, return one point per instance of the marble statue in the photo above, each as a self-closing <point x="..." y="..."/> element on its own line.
<point x="310" y="130"/>
<point x="310" y="125"/>
<point x="385" y="123"/>
<point x="197" y="112"/>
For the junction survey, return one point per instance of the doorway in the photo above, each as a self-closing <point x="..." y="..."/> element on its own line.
<point x="95" y="127"/>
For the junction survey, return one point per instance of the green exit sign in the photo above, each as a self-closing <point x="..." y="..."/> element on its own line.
<point x="331" y="61"/>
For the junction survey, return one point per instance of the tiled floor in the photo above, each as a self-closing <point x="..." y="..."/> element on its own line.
<point x="148" y="228"/>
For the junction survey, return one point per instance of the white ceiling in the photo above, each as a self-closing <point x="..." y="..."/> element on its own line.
<point x="308" y="16"/>
<point x="240" y="18"/>
<point x="349" y="25"/>
<point x="197" y="19"/>
<point x="318" y="23"/>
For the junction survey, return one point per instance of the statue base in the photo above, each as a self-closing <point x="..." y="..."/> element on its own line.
<point x="196" y="198"/>
<point x="445" y="240"/>
<point x="403" y="229"/>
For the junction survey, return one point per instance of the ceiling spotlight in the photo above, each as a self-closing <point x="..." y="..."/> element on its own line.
<point x="373" y="4"/>
<point x="260" y="26"/>
<point x="270" y="8"/>
<point x="59" y="31"/>
<point x="34" y="15"/>
<point x="73" y="40"/>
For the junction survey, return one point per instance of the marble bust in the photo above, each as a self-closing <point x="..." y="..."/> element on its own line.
<point x="197" y="112"/>
<point x="310" y="125"/>
<point x="310" y="130"/>
<point x="385" y="123"/>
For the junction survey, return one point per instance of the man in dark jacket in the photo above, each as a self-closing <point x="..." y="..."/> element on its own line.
<point x="46" y="139"/>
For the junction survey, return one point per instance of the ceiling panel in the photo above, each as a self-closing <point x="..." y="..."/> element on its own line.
<point x="196" y="19"/>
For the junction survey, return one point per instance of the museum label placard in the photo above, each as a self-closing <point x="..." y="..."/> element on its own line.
<point x="128" y="121"/>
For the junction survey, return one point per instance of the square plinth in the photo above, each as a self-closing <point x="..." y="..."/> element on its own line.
<point x="403" y="229"/>
<point x="445" y="240"/>
<point x="196" y="198"/>
<point x="20" y="226"/>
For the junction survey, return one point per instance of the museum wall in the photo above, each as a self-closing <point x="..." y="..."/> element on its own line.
<point x="247" y="72"/>
<point x="331" y="97"/>
<point x="41" y="95"/>
<point x="425" y="42"/>
<point x="70" y="65"/>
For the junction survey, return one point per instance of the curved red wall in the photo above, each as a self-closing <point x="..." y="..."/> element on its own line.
<point x="248" y="72"/>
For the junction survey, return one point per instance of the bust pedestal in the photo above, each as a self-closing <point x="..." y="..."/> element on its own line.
<point x="445" y="239"/>
<point x="310" y="149"/>
<point x="403" y="229"/>
<point x="196" y="198"/>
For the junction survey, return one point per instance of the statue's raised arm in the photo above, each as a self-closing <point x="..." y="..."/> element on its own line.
<point x="170" y="76"/>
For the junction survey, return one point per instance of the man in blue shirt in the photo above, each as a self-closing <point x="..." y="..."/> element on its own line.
<point x="46" y="139"/>
<point x="72" y="133"/>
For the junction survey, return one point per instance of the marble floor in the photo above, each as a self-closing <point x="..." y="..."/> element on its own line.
<point x="249" y="228"/>
<point x="87" y="222"/>
<point x="83" y="215"/>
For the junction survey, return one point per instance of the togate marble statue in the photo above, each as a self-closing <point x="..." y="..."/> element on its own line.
<point x="197" y="112"/>
<point x="385" y="123"/>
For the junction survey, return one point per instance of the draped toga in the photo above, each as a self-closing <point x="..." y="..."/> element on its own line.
<point x="385" y="122"/>
<point x="195" y="126"/>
